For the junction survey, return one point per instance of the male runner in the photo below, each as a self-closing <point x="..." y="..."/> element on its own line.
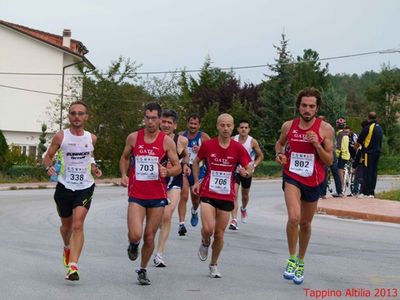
<point x="196" y="138"/>
<point x="305" y="145"/>
<point x="252" y="147"/>
<point x="169" y="119"/>
<point x="147" y="187"/>
<point x="75" y="186"/>
<point x="217" y="190"/>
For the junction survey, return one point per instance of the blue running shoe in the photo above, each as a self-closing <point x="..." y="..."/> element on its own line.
<point x="299" y="274"/>
<point x="195" y="219"/>
<point x="290" y="269"/>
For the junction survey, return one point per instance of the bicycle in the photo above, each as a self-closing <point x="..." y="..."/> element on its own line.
<point x="348" y="177"/>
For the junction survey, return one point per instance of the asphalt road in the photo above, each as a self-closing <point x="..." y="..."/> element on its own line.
<point x="343" y="256"/>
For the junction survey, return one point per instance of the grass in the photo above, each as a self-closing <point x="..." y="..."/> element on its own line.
<point x="389" y="195"/>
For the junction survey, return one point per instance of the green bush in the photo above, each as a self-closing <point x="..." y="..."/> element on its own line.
<point x="268" y="168"/>
<point x="27" y="172"/>
<point x="389" y="165"/>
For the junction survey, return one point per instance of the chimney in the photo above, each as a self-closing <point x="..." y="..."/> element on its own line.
<point x="66" y="38"/>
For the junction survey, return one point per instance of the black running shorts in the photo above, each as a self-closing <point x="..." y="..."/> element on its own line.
<point x="66" y="200"/>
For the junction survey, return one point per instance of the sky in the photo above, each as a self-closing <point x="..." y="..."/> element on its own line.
<point x="169" y="35"/>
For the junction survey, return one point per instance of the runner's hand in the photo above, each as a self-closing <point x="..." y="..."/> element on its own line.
<point x="163" y="171"/>
<point x="124" y="180"/>
<point x="196" y="188"/>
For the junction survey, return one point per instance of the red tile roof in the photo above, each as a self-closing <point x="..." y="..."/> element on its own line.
<point x="76" y="47"/>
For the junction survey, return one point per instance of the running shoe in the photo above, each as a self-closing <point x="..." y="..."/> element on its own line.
<point x="65" y="256"/>
<point x="158" y="261"/>
<point x="72" y="273"/>
<point x="299" y="274"/>
<point x="142" y="277"/>
<point x="214" y="273"/>
<point x="182" y="230"/>
<point x="243" y="214"/>
<point x="233" y="225"/>
<point x="290" y="269"/>
<point x="133" y="251"/>
<point x="203" y="251"/>
<point x="195" y="218"/>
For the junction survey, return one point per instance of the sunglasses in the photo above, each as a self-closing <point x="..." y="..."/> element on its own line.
<point x="77" y="113"/>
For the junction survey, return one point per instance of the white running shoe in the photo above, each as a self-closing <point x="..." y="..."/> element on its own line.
<point x="214" y="273"/>
<point x="158" y="261"/>
<point x="203" y="251"/>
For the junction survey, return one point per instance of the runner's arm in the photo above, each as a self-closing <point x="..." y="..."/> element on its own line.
<point x="51" y="152"/>
<point x="170" y="148"/>
<point x="124" y="160"/>
<point x="280" y="144"/>
<point x="259" y="153"/>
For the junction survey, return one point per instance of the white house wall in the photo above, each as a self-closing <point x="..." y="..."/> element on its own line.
<point x="23" y="112"/>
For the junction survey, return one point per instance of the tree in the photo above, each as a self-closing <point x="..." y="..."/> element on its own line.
<point x="309" y="72"/>
<point x="3" y="150"/>
<point x="42" y="143"/>
<point x="115" y="109"/>
<point x="277" y="97"/>
<point x="385" y="99"/>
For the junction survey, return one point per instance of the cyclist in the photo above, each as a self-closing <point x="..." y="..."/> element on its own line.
<point x="342" y="148"/>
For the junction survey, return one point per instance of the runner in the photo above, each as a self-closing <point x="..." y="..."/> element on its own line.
<point x="196" y="138"/>
<point x="147" y="187"/>
<point x="169" y="119"/>
<point x="254" y="150"/>
<point x="217" y="190"/>
<point x="75" y="186"/>
<point x="304" y="146"/>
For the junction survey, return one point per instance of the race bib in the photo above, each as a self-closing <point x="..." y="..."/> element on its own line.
<point x="75" y="175"/>
<point x="220" y="182"/>
<point x="146" y="168"/>
<point x="302" y="163"/>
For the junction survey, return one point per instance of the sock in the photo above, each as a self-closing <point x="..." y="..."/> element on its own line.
<point x="293" y="257"/>
<point x="300" y="261"/>
<point x="181" y="223"/>
<point x="134" y="244"/>
<point x="67" y="247"/>
<point x="73" y="264"/>
<point x="194" y="211"/>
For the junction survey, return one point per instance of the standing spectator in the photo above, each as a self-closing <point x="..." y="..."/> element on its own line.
<point x="342" y="150"/>
<point x="371" y="141"/>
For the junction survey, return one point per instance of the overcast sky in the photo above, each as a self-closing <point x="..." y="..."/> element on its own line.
<point x="166" y="35"/>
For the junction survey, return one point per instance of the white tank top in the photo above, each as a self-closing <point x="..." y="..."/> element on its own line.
<point x="247" y="146"/>
<point x="76" y="157"/>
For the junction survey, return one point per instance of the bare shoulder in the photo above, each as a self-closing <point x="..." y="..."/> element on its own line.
<point x="131" y="139"/>
<point x="204" y="136"/>
<point x="326" y="129"/>
<point x="183" y="140"/>
<point x="286" y="126"/>
<point x="94" y="138"/>
<point x="58" y="138"/>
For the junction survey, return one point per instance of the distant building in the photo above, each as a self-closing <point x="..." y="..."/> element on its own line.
<point x="32" y="64"/>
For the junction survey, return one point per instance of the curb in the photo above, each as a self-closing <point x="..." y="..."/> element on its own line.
<point x="358" y="215"/>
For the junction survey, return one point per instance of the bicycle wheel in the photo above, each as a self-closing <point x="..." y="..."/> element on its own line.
<point x="346" y="180"/>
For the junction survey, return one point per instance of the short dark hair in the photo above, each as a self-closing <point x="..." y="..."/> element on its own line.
<point x="194" y="116"/>
<point x="372" y="116"/>
<point x="80" y="103"/>
<point x="169" y="113"/>
<point x="244" y="121"/>
<point x="153" y="106"/>
<point x="309" y="92"/>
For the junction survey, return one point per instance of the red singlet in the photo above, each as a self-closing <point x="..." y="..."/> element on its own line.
<point x="144" y="177"/>
<point x="221" y="163"/>
<point x="303" y="163"/>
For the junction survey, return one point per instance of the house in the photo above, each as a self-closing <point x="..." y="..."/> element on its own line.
<point x="36" y="68"/>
